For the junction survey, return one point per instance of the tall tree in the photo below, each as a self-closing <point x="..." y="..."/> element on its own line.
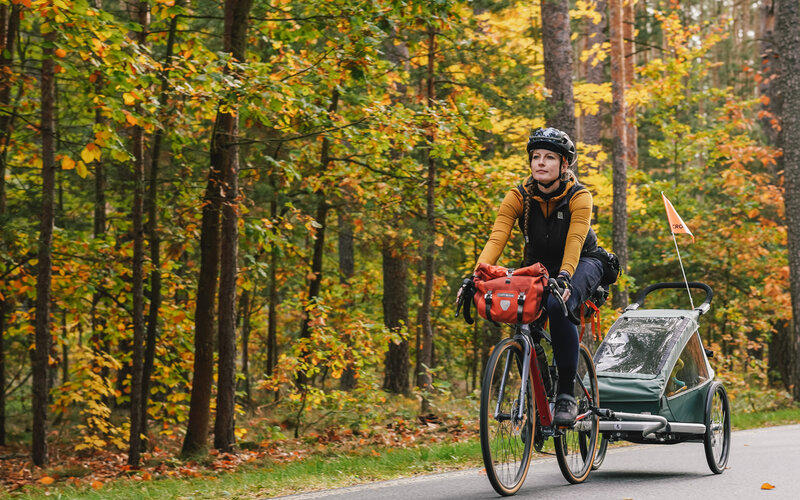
<point x="142" y="17"/>
<point x="44" y="275"/>
<point x="154" y="240"/>
<point x="558" y="58"/>
<point x="788" y="46"/>
<point x="9" y="27"/>
<point x="425" y="354"/>
<point x="347" y="265"/>
<point x="595" y="71"/>
<point x="629" y="51"/>
<point x="225" y="152"/>
<point x="395" y="317"/>
<point x="620" y="181"/>
<point x="321" y="217"/>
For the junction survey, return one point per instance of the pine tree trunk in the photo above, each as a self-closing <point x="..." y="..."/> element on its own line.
<point x="346" y="271"/>
<point x="620" y="205"/>
<point x="225" y="151"/>
<point x="272" y="316"/>
<point x="788" y="45"/>
<point x="629" y="50"/>
<point x="425" y="356"/>
<point x="246" y="308"/>
<point x="558" y="59"/>
<point x="9" y="28"/>
<point x="98" y="341"/>
<point x="596" y="74"/>
<point x="151" y="205"/>
<point x="395" y="317"/>
<point x="769" y="67"/>
<point x="9" y="24"/>
<point x="41" y="353"/>
<point x="137" y="282"/>
<point x="319" y="243"/>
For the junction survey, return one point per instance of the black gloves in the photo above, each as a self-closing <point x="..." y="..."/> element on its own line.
<point x="564" y="281"/>
<point x="464" y="298"/>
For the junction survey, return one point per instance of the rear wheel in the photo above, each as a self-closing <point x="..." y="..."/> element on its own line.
<point x="600" y="456"/>
<point x="717" y="440"/>
<point x="506" y="435"/>
<point x="576" y="447"/>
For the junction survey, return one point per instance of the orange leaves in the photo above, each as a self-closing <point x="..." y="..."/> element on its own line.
<point x="47" y="480"/>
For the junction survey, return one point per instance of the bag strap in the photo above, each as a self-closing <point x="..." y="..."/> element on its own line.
<point x="520" y="306"/>
<point x="595" y="320"/>
<point x="488" y="299"/>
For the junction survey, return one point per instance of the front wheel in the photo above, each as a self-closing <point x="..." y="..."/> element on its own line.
<point x="576" y="447"/>
<point x="506" y="432"/>
<point x="717" y="440"/>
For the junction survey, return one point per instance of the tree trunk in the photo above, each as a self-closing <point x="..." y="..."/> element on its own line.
<point x="9" y="28"/>
<point x="246" y="307"/>
<point x="395" y="317"/>
<point x="9" y="25"/>
<point x="346" y="271"/>
<point x="98" y="342"/>
<point x="137" y="282"/>
<point x="769" y="68"/>
<point x="629" y="51"/>
<point x="225" y="151"/>
<point x="619" y="206"/>
<point x="596" y="74"/>
<point x="425" y="356"/>
<point x="558" y="64"/>
<point x="272" y="312"/>
<point x="788" y="45"/>
<point x="151" y="204"/>
<point x="319" y="243"/>
<point x="44" y="268"/>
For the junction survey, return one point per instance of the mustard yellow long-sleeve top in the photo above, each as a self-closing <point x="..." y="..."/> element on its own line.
<point x="512" y="209"/>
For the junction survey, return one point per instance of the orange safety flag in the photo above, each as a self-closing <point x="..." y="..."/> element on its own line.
<point x="676" y="224"/>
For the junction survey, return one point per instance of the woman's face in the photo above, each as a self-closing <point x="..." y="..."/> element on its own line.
<point x="545" y="165"/>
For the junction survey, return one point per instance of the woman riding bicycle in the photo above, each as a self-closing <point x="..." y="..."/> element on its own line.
<point x="554" y="213"/>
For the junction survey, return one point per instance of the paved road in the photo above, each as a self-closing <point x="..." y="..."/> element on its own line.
<point x="758" y="456"/>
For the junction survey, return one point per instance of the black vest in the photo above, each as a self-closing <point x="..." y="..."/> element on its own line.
<point x="547" y="236"/>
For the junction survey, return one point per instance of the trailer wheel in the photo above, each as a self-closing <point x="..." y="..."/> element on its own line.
<point x="717" y="440"/>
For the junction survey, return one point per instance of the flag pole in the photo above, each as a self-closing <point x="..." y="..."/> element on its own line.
<point x="682" y="270"/>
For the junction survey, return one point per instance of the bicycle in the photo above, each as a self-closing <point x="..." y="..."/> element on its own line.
<point x="511" y="426"/>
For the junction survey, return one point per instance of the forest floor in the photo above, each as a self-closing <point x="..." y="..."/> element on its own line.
<point x="334" y="458"/>
<point x="94" y="470"/>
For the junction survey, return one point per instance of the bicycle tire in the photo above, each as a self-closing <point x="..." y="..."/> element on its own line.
<point x="576" y="447"/>
<point x="717" y="440"/>
<point x="505" y="439"/>
<point x="600" y="456"/>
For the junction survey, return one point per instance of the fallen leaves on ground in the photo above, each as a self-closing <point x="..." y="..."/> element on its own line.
<point x="96" y="469"/>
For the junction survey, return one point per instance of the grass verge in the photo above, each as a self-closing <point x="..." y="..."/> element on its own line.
<point x="323" y="471"/>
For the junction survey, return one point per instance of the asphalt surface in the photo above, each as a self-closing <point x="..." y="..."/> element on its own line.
<point x="758" y="456"/>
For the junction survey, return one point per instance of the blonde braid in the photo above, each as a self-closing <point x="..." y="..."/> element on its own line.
<point x="526" y="214"/>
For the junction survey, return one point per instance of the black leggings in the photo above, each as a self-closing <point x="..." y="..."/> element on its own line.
<point x="565" y="334"/>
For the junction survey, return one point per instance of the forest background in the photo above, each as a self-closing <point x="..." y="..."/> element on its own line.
<point x="248" y="219"/>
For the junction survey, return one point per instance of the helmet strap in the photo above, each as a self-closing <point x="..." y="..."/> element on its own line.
<point x="548" y="184"/>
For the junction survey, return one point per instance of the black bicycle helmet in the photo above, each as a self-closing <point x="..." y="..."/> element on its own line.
<point x="553" y="140"/>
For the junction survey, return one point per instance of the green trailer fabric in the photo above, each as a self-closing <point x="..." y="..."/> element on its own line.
<point x="635" y="361"/>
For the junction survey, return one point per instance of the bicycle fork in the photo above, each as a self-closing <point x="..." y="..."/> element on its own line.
<point x="524" y="386"/>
